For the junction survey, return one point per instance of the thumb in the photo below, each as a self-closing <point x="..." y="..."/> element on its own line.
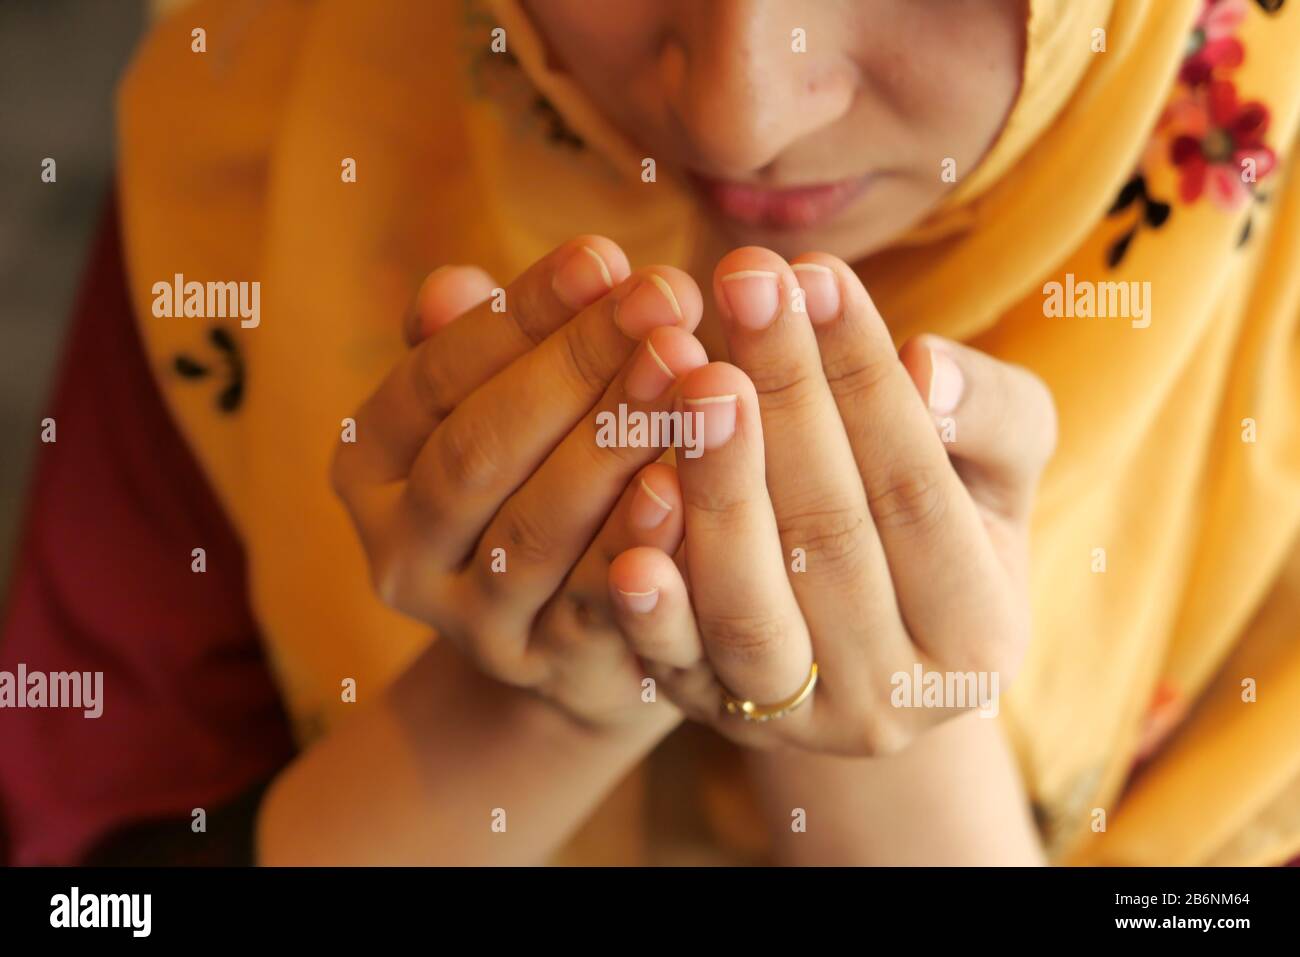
<point x="997" y="420"/>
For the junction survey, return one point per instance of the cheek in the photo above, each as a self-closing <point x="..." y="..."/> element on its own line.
<point x="972" y="113"/>
<point x="954" y="75"/>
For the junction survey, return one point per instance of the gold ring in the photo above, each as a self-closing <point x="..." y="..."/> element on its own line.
<point x="769" y="712"/>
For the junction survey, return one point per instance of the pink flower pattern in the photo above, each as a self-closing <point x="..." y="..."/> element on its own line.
<point x="1214" y="140"/>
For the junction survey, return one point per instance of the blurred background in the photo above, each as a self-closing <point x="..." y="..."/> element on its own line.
<point x="59" y="64"/>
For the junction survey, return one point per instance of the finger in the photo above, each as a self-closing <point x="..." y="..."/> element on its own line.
<point x="549" y="522"/>
<point x="498" y="436"/>
<point x="649" y="515"/>
<point x="576" y="636"/>
<point x="842" y="583"/>
<point x="652" y="608"/>
<point x="445" y="295"/>
<point x="395" y="422"/>
<point x="934" y="540"/>
<point x="754" y="635"/>
<point x="996" y="419"/>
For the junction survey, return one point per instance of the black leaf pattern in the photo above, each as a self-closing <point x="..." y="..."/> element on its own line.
<point x="221" y="339"/>
<point x="1132" y="190"/>
<point x="1157" y="213"/>
<point x="1119" y="249"/>
<point x="231" y="395"/>
<point x="189" y="369"/>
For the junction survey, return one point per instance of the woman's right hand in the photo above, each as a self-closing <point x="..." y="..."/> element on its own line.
<point x="856" y="558"/>
<point x="484" y="503"/>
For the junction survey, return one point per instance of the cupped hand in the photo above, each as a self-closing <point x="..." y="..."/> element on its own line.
<point x="486" y="506"/>
<point x="857" y="507"/>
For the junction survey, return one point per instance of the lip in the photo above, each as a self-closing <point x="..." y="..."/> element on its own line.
<point x="799" y="207"/>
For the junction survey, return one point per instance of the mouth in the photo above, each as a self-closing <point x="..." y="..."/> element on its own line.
<point x="799" y="207"/>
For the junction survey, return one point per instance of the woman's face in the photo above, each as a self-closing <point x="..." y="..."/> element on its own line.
<point x="834" y="138"/>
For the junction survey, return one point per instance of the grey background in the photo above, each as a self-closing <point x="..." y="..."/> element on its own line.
<point x="59" y="64"/>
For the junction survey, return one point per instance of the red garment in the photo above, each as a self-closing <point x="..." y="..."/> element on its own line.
<point x="103" y="582"/>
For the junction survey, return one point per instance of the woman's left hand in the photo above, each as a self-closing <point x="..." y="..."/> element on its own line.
<point x="861" y="508"/>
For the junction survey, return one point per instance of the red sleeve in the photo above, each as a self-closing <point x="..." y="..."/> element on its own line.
<point x="103" y="583"/>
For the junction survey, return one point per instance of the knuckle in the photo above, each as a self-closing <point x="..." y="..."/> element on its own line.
<point x="491" y="590"/>
<point x="875" y="726"/>
<point x="613" y="460"/>
<point x="490" y="585"/>
<point x="400" y="578"/>
<point x="834" y="535"/>
<point x="858" y="376"/>
<point x="913" y="500"/>
<point x="781" y="386"/>
<point x="470" y="458"/>
<point x="582" y="364"/>
<point x="426" y="506"/>
<point x="746" y="637"/>
<point x="886" y="733"/>
<point x="720" y="507"/>
<point x="572" y="620"/>
<point x="868" y="724"/>
<point x="582" y="613"/>
<point x="429" y="381"/>
<point x="385" y="581"/>
<point x="391" y="581"/>
<point x="524" y="536"/>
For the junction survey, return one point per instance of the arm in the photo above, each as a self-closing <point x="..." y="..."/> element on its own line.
<point x="415" y="778"/>
<point x="953" y="798"/>
<point x="482" y="445"/>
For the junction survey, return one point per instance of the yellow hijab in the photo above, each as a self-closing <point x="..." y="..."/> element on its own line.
<point x="1166" y="579"/>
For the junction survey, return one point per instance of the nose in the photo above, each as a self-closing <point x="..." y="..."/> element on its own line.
<point x="742" y="90"/>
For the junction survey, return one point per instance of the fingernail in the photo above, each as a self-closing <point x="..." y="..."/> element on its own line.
<point x="752" y="297"/>
<point x="582" y="278"/>
<point x="718" y="413"/>
<point x="821" y="291"/>
<point x="648" y="510"/>
<point x="639" y="601"/>
<point x="946" y="383"/>
<point x="650" y="305"/>
<point x="648" y="376"/>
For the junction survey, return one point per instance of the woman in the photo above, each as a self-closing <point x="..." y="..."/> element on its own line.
<point x="956" y="160"/>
